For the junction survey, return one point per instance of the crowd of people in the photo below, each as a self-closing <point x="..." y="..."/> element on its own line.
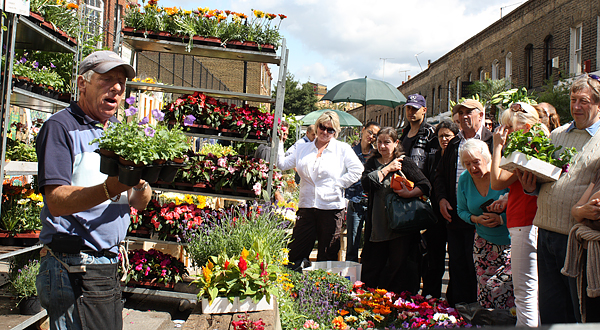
<point x="511" y="241"/>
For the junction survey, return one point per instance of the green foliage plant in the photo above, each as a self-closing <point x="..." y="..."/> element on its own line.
<point x="22" y="282"/>
<point x="558" y="93"/>
<point x="534" y="143"/>
<point x="506" y="98"/>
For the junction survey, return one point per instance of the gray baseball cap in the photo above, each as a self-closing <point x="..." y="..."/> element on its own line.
<point x="104" y="61"/>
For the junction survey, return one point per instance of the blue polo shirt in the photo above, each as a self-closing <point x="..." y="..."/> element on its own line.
<point x="65" y="157"/>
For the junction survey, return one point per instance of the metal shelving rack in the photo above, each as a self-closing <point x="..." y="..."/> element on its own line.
<point x="139" y="44"/>
<point x="22" y="33"/>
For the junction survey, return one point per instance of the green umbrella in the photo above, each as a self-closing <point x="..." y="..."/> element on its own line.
<point x="366" y="91"/>
<point x="346" y="119"/>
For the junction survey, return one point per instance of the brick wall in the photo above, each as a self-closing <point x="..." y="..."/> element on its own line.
<point x="530" y="24"/>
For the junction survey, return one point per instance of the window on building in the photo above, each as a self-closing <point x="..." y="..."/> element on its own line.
<point x="598" y="46"/>
<point x="508" y="69"/>
<point x="576" y="45"/>
<point x="94" y="18"/>
<point x="440" y="98"/>
<point x="470" y="76"/>
<point x="449" y="94"/>
<point x="548" y="57"/>
<point x="481" y="74"/>
<point x="457" y="88"/>
<point x="496" y="70"/>
<point x="433" y="100"/>
<point x="529" y="65"/>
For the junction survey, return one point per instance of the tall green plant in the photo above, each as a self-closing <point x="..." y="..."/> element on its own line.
<point x="558" y="94"/>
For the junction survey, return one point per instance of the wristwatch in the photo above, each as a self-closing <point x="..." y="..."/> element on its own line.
<point x="143" y="187"/>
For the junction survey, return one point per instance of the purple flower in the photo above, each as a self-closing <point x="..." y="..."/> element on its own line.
<point x="52" y="65"/>
<point x="144" y="121"/>
<point x="23" y="60"/>
<point x="149" y="131"/>
<point x="130" y="100"/>
<point x="36" y="64"/>
<point x="131" y="111"/>
<point x="158" y="115"/>
<point x="189" y="120"/>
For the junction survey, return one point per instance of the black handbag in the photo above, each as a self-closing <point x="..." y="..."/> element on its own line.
<point x="409" y="214"/>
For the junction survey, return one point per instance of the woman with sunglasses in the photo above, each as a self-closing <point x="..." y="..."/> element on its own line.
<point x="520" y="211"/>
<point x="382" y="245"/>
<point x="326" y="167"/>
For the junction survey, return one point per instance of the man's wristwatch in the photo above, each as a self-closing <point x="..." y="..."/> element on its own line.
<point x="143" y="187"/>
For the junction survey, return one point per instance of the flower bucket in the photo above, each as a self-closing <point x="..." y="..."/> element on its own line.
<point x="151" y="173"/>
<point x="130" y="175"/>
<point x="108" y="165"/>
<point x="30" y="306"/>
<point x="348" y="269"/>
<point x="222" y="305"/>
<point x="545" y="172"/>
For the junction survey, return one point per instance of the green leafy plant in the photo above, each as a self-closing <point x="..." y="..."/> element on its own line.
<point x="534" y="143"/>
<point x="22" y="282"/>
<point x="506" y="98"/>
<point x="19" y="151"/>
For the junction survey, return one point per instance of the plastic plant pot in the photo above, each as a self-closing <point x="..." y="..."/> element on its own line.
<point x="151" y="173"/>
<point x="109" y="166"/>
<point x="130" y="175"/>
<point x="168" y="172"/>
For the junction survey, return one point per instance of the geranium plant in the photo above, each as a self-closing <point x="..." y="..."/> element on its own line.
<point x="252" y="274"/>
<point x="155" y="266"/>
<point x="534" y="143"/>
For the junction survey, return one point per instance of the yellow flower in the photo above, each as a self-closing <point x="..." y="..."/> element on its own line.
<point x="378" y="317"/>
<point x="245" y="254"/>
<point x="210" y="265"/>
<point x="359" y="310"/>
<point x="189" y="199"/>
<point x="171" y="10"/>
<point x="258" y="13"/>
<point x="207" y="274"/>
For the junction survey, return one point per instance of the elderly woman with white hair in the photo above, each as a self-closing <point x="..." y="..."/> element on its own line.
<point x="326" y="167"/>
<point x="491" y="249"/>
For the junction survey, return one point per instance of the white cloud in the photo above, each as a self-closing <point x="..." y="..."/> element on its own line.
<point x="335" y="40"/>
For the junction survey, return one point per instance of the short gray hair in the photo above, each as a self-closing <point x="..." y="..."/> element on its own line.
<point x="473" y="146"/>
<point x="87" y="76"/>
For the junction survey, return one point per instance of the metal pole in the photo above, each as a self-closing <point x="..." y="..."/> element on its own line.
<point x="7" y="87"/>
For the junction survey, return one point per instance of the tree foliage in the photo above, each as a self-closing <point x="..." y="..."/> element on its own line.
<point x="559" y="96"/>
<point x="299" y="99"/>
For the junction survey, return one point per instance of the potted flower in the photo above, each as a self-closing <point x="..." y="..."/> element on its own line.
<point x="154" y="268"/>
<point x="244" y="283"/>
<point x="22" y="285"/>
<point x="533" y="151"/>
<point x="20" y="218"/>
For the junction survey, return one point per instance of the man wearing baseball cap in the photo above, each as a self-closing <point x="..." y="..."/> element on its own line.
<point x="85" y="214"/>
<point x="463" y="283"/>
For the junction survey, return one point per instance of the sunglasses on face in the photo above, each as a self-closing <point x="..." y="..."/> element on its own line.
<point x="517" y="108"/>
<point x="329" y="130"/>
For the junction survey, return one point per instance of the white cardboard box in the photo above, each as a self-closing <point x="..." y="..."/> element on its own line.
<point x="222" y="305"/>
<point x="348" y="269"/>
<point x="545" y="172"/>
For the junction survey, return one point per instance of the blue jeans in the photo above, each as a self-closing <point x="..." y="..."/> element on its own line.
<point x="355" y="218"/>
<point x="55" y="287"/>
<point x="558" y="293"/>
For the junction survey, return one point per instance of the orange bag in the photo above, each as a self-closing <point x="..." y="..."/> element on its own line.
<point x="397" y="181"/>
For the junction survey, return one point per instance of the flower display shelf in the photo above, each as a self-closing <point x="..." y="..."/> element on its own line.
<point x="222" y="305"/>
<point x="15" y="168"/>
<point x="224" y="134"/>
<point x="28" y="234"/>
<point x="204" y="189"/>
<point x="151" y="285"/>
<point x="29" y="99"/>
<point x="178" y="47"/>
<point x="33" y="33"/>
<point x="545" y="172"/>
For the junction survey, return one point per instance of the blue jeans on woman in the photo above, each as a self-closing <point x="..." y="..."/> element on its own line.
<point x="55" y="287"/>
<point x="355" y="219"/>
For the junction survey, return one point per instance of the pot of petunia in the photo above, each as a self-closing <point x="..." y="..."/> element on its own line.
<point x="251" y="276"/>
<point x="154" y="267"/>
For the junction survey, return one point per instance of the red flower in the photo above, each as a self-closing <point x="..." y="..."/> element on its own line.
<point x="243" y="265"/>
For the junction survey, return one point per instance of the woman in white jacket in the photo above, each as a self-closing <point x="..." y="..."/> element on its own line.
<point x="326" y="167"/>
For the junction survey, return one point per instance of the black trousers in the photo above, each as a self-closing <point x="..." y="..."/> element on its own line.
<point x="325" y="226"/>
<point x="463" y="282"/>
<point x="434" y="263"/>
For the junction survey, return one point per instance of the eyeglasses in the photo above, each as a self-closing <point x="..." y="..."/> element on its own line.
<point x="516" y="107"/>
<point x="329" y="130"/>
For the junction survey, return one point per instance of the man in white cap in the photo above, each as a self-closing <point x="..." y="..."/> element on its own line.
<point x="85" y="214"/>
<point x="463" y="283"/>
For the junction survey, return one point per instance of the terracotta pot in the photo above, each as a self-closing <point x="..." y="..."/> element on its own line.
<point x="160" y="161"/>
<point x="36" y="16"/>
<point x="268" y="48"/>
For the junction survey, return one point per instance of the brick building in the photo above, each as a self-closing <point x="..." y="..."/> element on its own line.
<point x="538" y="39"/>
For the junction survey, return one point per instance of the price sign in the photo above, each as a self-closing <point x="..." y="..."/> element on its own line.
<point x="20" y="7"/>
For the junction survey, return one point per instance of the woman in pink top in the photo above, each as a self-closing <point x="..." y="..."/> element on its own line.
<point x="520" y="211"/>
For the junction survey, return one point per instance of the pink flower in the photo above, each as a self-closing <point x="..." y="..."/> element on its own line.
<point x="139" y="267"/>
<point x="222" y="162"/>
<point x="257" y="188"/>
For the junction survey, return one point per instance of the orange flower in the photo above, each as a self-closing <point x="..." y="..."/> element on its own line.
<point x="381" y="291"/>
<point x="359" y="310"/>
<point x="343" y="312"/>
<point x="338" y="323"/>
<point x="72" y="6"/>
<point x="245" y="254"/>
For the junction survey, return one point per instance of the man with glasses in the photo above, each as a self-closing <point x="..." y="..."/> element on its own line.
<point x="559" y="302"/>
<point x="357" y="201"/>
<point x="463" y="283"/>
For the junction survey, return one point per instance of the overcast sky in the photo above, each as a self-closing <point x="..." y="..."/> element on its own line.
<point x="331" y="41"/>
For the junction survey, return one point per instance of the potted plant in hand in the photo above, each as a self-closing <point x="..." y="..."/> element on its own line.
<point x="533" y="151"/>
<point x="22" y="285"/>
